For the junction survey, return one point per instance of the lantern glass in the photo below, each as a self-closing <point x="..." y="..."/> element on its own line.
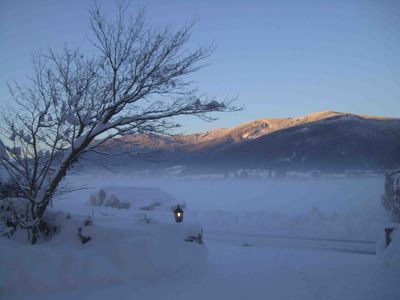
<point x="178" y="214"/>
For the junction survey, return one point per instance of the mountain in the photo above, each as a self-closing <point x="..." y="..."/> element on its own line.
<point x="324" y="140"/>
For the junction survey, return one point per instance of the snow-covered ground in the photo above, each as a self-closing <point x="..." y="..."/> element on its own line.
<point x="237" y="272"/>
<point x="271" y="239"/>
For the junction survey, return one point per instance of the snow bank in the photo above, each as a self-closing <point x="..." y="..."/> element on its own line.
<point x="113" y="255"/>
<point x="390" y="255"/>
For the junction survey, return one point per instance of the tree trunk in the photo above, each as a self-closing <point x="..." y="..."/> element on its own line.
<point x="33" y="235"/>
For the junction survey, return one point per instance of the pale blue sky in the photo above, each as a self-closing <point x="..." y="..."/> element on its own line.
<point x="282" y="58"/>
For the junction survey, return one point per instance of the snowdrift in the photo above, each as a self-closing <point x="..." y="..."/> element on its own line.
<point x="149" y="252"/>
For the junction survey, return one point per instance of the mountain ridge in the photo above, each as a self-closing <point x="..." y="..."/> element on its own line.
<point x="325" y="139"/>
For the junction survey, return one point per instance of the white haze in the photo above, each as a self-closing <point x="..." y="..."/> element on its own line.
<point x="340" y="208"/>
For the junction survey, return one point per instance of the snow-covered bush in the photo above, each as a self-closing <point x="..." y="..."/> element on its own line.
<point x="8" y="224"/>
<point x="114" y="202"/>
<point x="93" y="200"/>
<point x="98" y="200"/>
<point x="391" y="198"/>
<point x="101" y="196"/>
<point x="12" y="215"/>
<point x="9" y="189"/>
<point x="88" y="221"/>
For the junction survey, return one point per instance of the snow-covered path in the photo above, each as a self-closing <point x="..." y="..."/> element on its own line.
<point x="263" y="272"/>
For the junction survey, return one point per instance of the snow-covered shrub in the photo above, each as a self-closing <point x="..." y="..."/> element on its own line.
<point x="9" y="189"/>
<point x="88" y="221"/>
<point x="10" y="209"/>
<point x="84" y="239"/>
<point x="93" y="200"/>
<point x="8" y="224"/>
<point x="198" y="238"/>
<point x="114" y="202"/>
<point x="101" y="197"/>
<point x="98" y="200"/>
<point x="14" y="216"/>
<point x="391" y="198"/>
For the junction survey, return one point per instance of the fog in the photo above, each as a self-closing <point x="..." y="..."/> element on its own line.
<point x="340" y="208"/>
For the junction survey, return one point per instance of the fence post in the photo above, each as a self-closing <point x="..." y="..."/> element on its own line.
<point x="388" y="232"/>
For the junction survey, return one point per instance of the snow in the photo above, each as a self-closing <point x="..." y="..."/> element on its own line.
<point x="276" y="239"/>
<point x="237" y="272"/>
<point x="149" y="252"/>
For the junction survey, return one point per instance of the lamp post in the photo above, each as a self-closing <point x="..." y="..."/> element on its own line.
<point x="178" y="214"/>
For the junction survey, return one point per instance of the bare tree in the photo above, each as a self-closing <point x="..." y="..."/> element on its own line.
<point x="135" y="82"/>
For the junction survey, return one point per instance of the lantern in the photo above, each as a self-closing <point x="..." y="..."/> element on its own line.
<point x="178" y="214"/>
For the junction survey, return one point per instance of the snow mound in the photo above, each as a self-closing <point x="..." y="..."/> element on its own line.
<point x="146" y="252"/>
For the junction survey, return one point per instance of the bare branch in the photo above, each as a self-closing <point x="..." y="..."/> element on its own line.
<point x="136" y="82"/>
